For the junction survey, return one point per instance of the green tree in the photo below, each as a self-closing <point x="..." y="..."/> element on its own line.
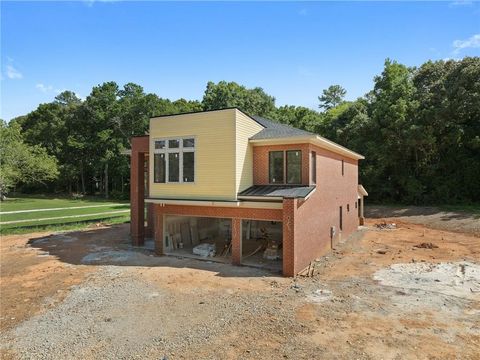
<point x="230" y="94"/>
<point x="20" y="162"/>
<point x="297" y="116"/>
<point x="332" y="97"/>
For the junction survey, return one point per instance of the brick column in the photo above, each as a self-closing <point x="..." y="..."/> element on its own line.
<point x="158" y="229"/>
<point x="289" y="207"/>
<point x="150" y="221"/>
<point x="236" y="241"/>
<point x="137" y="195"/>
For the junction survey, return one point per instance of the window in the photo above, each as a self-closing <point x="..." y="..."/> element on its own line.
<point x="356" y="205"/>
<point x="160" y="144"/>
<point x="173" y="167"/>
<point x="313" y="167"/>
<point x="275" y="167"/>
<point x="188" y="143"/>
<point x="348" y="207"/>
<point x="173" y="144"/>
<point x="294" y="167"/>
<point x="188" y="166"/>
<point x="159" y="166"/>
<point x="341" y="219"/>
<point x="174" y="160"/>
<point x="343" y="167"/>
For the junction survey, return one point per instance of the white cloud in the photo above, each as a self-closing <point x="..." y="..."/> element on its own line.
<point x="302" y="12"/>
<point x="46" y="89"/>
<point x="13" y="73"/>
<point x="43" y="88"/>
<point x="471" y="42"/>
<point x="460" y="3"/>
<point x="90" y="3"/>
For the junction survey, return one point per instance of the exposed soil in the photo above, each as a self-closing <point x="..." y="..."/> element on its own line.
<point x="430" y="216"/>
<point x="379" y="295"/>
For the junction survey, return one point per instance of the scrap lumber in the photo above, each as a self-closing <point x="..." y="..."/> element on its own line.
<point x="185" y="231"/>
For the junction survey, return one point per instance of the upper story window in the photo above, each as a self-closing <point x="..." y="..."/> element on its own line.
<point x="285" y="167"/>
<point x="313" y="167"/>
<point x="275" y="167"/>
<point x="343" y="167"/>
<point x="174" y="160"/>
<point x="294" y="167"/>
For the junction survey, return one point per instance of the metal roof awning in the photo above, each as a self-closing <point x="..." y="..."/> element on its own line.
<point x="276" y="192"/>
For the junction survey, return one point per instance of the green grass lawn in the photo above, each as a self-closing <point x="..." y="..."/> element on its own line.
<point x="29" y="202"/>
<point x="90" y="210"/>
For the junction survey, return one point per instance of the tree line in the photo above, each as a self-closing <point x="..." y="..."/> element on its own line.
<point x="419" y="129"/>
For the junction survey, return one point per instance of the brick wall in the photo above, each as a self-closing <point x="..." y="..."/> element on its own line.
<point x="260" y="162"/>
<point x="315" y="216"/>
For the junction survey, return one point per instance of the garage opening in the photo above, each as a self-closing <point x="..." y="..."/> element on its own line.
<point x="262" y="244"/>
<point x="198" y="237"/>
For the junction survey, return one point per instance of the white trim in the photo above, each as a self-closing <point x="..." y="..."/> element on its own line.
<point x="264" y="198"/>
<point x="238" y="204"/>
<point x="310" y="193"/>
<point x="312" y="139"/>
<point x="361" y="190"/>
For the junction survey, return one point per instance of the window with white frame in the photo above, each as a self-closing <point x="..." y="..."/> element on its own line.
<point x="174" y="160"/>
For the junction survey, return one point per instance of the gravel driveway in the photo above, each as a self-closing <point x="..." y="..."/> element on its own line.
<point x="88" y="295"/>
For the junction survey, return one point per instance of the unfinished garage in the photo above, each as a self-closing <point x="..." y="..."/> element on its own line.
<point x="198" y="237"/>
<point x="262" y="244"/>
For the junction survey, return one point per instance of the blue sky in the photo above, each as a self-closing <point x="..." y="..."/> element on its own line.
<point x="292" y="50"/>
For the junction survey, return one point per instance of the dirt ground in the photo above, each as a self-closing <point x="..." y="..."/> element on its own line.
<point x="407" y="293"/>
<point x="430" y="216"/>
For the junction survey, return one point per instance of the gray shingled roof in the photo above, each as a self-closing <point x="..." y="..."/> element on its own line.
<point x="276" y="130"/>
<point x="284" y="191"/>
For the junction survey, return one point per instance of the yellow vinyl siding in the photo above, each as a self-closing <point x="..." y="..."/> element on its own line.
<point x="245" y="128"/>
<point x="214" y="133"/>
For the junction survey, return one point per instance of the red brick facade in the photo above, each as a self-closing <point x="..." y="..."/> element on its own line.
<point x="261" y="158"/>
<point x="306" y="223"/>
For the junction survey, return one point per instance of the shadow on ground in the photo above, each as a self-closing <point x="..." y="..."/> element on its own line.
<point x="111" y="246"/>
<point x="383" y="211"/>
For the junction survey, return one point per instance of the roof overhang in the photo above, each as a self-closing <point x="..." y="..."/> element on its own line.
<point x="218" y="203"/>
<point x="361" y="191"/>
<point x="311" y="139"/>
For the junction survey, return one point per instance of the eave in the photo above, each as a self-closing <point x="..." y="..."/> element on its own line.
<point x="310" y="139"/>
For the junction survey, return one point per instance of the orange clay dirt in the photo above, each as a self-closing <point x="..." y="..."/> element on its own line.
<point x="89" y="295"/>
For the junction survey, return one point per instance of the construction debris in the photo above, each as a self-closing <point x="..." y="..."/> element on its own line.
<point x="205" y="250"/>
<point x="308" y="271"/>
<point x="426" y="245"/>
<point x="385" y="226"/>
